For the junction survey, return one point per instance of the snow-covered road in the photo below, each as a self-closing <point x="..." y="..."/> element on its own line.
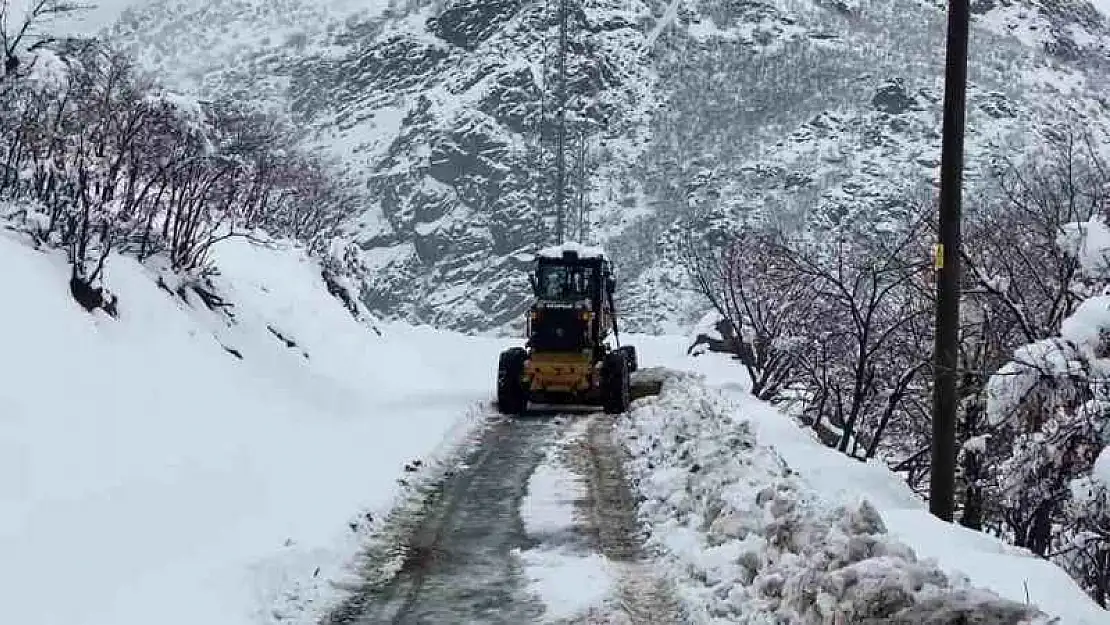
<point x="535" y="524"/>
<point x="457" y="564"/>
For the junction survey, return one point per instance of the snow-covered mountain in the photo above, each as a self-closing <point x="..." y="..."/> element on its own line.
<point x="702" y="116"/>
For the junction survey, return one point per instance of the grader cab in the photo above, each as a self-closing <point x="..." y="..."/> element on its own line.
<point x="573" y="354"/>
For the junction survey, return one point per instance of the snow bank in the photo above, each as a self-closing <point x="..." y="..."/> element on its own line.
<point x="1054" y="365"/>
<point x="761" y="524"/>
<point x="1089" y="327"/>
<point x="190" y="465"/>
<point x="1102" y="5"/>
<point x="1050" y="358"/>
<point x="47" y="70"/>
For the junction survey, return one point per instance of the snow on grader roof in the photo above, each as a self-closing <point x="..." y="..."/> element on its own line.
<point x="575" y="249"/>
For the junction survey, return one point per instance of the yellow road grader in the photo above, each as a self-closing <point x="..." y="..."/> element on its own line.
<point x="568" y="358"/>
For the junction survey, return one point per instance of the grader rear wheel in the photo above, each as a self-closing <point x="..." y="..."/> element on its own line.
<point x="616" y="385"/>
<point x="512" y="396"/>
<point x="630" y="356"/>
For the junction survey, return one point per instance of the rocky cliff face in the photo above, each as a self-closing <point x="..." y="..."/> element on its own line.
<point x="458" y="185"/>
<point x="698" y="117"/>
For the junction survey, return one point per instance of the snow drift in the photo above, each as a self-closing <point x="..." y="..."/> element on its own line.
<point x="194" y="464"/>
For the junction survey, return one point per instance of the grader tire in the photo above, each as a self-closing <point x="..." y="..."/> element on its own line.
<point x="512" y="396"/>
<point x="616" y="383"/>
<point x="629" y="352"/>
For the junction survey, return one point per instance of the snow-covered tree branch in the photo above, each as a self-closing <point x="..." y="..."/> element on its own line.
<point x="111" y="161"/>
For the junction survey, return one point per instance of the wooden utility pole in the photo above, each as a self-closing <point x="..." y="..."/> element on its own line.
<point x="942" y="482"/>
<point x="561" y="130"/>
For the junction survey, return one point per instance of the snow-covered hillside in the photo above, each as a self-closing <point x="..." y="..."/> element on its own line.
<point x="702" y="114"/>
<point x="196" y="465"/>
<point x="434" y="108"/>
<point x="253" y="432"/>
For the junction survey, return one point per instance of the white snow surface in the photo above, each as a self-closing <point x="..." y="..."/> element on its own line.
<point x="1082" y="345"/>
<point x="147" y="475"/>
<point x="1009" y="387"/>
<point x="553" y="490"/>
<point x="1102" y="5"/>
<point x="102" y="13"/>
<point x="850" y="528"/>
<point x="569" y="583"/>
<point x="1089" y="242"/>
<point x="1102" y="467"/>
<point x="1089" y="326"/>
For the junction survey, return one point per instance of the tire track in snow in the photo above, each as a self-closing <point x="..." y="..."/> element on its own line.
<point x="644" y="597"/>
<point x="458" y="565"/>
<point x="463" y="555"/>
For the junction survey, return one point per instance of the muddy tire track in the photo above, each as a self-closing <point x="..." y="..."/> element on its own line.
<point x="452" y="559"/>
<point x="456" y="559"/>
<point x="645" y="598"/>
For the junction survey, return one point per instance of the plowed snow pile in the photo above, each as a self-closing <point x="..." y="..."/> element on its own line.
<point x="750" y="541"/>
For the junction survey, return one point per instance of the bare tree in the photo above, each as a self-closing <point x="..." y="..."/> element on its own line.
<point x="870" y="301"/>
<point x="750" y="286"/>
<point x="1013" y="254"/>
<point x="843" y="325"/>
<point x="107" y="161"/>
<point x="23" y="33"/>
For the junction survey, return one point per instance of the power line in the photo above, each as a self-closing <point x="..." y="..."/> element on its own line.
<point x="561" y="130"/>
<point x="540" y="171"/>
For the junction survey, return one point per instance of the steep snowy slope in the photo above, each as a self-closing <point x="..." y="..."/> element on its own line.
<point x="148" y="474"/>
<point x="832" y="114"/>
<point x="436" y="108"/>
<point x="702" y="116"/>
<point x="455" y="183"/>
<point x="233" y="48"/>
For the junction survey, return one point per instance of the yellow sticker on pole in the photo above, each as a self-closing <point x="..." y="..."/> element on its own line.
<point x="938" y="256"/>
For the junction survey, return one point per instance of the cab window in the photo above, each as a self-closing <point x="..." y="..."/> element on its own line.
<point x="563" y="282"/>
